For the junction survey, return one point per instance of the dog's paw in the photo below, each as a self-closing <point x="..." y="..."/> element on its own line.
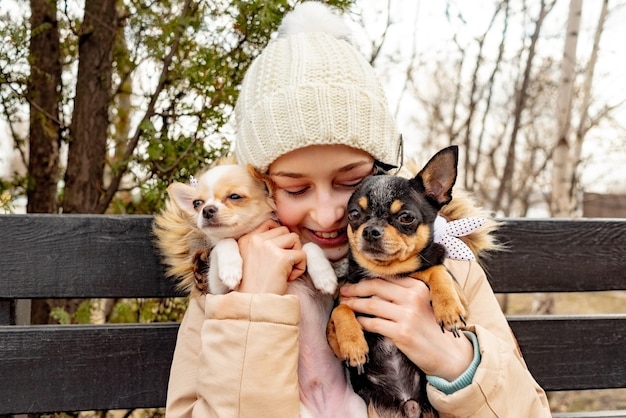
<point x="230" y="270"/>
<point x="325" y="284"/>
<point x="351" y="347"/>
<point x="355" y="353"/>
<point x="345" y="336"/>
<point x="230" y="276"/>
<point x="225" y="256"/>
<point x="450" y="314"/>
<point x="320" y="270"/>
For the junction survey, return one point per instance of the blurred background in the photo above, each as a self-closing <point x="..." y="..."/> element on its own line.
<point x="104" y="103"/>
<point x="97" y="121"/>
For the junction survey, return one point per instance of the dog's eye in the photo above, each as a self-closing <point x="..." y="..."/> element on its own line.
<point x="406" y="218"/>
<point x="235" y="196"/>
<point x="354" y="215"/>
<point x="197" y="203"/>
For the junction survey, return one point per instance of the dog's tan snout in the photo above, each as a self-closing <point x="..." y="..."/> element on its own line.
<point x="373" y="233"/>
<point x="209" y="211"/>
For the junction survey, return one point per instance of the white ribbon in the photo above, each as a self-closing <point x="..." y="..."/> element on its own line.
<point x="193" y="182"/>
<point x="447" y="233"/>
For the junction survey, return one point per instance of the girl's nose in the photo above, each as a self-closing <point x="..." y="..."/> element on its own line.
<point x="329" y="209"/>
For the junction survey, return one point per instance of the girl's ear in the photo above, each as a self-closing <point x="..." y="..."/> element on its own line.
<point x="438" y="176"/>
<point x="183" y="195"/>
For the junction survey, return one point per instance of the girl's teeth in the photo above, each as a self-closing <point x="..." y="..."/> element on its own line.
<point x="327" y="234"/>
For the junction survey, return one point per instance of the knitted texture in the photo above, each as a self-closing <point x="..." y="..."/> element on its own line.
<point x="312" y="87"/>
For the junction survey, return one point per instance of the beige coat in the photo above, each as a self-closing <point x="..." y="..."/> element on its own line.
<point x="237" y="356"/>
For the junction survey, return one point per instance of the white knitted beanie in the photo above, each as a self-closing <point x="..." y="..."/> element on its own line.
<point x="310" y="86"/>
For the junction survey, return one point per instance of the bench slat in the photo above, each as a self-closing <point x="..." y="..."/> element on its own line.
<point x="84" y="367"/>
<point x="126" y="366"/>
<point x="553" y="255"/>
<point x="76" y="256"/>
<point x="592" y="346"/>
<point x="560" y="255"/>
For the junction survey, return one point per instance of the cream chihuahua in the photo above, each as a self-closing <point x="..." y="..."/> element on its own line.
<point x="197" y="231"/>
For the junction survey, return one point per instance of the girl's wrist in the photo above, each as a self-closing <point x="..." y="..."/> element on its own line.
<point x="450" y="355"/>
<point x="449" y="386"/>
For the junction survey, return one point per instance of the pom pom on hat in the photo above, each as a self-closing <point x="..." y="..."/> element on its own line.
<point x="313" y="16"/>
<point x="310" y="86"/>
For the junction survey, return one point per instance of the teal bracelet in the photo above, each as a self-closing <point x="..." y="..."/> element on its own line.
<point x="463" y="380"/>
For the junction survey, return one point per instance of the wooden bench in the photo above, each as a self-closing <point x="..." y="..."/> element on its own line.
<point x="47" y="368"/>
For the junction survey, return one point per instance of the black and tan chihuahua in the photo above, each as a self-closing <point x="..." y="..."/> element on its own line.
<point x="390" y="230"/>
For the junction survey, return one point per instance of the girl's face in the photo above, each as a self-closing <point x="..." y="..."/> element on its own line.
<point x="313" y="185"/>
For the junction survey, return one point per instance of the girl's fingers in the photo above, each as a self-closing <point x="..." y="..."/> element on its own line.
<point x="378" y="325"/>
<point x="373" y="306"/>
<point x="288" y="241"/>
<point x="395" y="290"/>
<point x="297" y="259"/>
<point x="374" y="287"/>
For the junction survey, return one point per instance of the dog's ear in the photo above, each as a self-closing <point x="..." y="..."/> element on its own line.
<point x="270" y="186"/>
<point x="183" y="195"/>
<point x="438" y="176"/>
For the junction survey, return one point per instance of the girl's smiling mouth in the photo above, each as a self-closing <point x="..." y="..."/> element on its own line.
<point x="327" y="238"/>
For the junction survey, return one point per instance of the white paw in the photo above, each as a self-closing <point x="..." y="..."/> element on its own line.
<point x="320" y="270"/>
<point x="226" y="258"/>
<point x="230" y="272"/>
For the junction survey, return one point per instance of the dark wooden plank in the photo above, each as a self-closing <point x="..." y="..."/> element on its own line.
<point x="7" y="312"/>
<point x="574" y="352"/>
<point x="122" y="366"/>
<point x="552" y="255"/>
<point x="68" y="368"/>
<point x="79" y="256"/>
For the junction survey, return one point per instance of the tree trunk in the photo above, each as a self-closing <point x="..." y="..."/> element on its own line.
<point x="43" y="94"/>
<point x="90" y="119"/>
<point x="44" y="89"/>
<point x="562" y="203"/>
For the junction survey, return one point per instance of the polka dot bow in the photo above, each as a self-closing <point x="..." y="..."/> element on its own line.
<point x="447" y="233"/>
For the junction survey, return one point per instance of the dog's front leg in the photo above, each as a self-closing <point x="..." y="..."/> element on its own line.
<point x="449" y="303"/>
<point x="346" y="338"/>
<point x="225" y="267"/>
<point x="320" y="270"/>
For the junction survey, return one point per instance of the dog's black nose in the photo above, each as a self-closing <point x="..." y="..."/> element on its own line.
<point x="209" y="211"/>
<point x="372" y="233"/>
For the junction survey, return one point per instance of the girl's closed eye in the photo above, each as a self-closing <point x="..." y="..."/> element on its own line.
<point x="351" y="184"/>
<point x="355" y="179"/>
<point x="295" y="191"/>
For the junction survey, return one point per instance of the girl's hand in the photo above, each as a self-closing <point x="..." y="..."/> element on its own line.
<point x="272" y="257"/>
<point x="402" y="312"/>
